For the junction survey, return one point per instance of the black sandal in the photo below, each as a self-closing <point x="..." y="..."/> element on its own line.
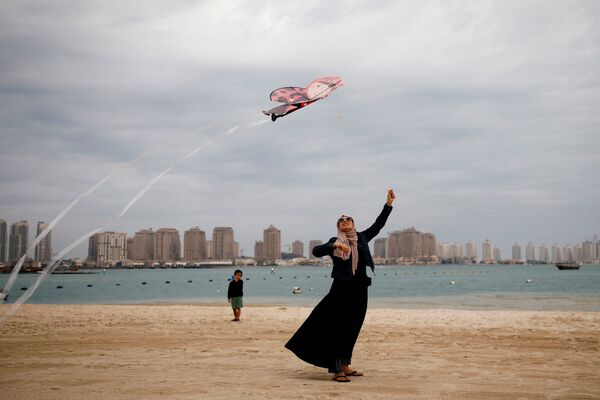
<point x="340" y="378"/>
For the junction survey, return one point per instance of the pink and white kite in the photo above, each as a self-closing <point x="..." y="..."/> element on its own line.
<point x="295" y="98"/>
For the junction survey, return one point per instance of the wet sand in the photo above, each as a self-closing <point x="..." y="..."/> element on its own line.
<point x="196" y="352"/>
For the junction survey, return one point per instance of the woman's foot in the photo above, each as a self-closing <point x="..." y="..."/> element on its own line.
<point x="351" y="372"/>
<point x="340" y="378"/>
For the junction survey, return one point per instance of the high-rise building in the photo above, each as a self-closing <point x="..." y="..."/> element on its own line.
<point x="143" y="245"/>
<point x="597" y="255"/>
<point x="223" y="246"/>
<point x="497" y="255"/>
<point x="487" y="252"/>
<point x="19" y="239"/>
<point x="444" y="250"/>
<point x="471" y="250"/>
<point x="543" y="255"/>
<point x="298" y="248"/>
<point x="130" y="248"/>
<point x="43" y="250"/>
<point x="577" y="253"/>
<point x="379" y="247"/>
<point x="259" y="250"/>
<point x="530" y="253"/>
<point x="516" y="252"/>
<point x="167" y="245"/>
<point x="587" y="252"/>
<point x="272" y="243"/>
<point x="457" y="251"/>
<point x="210" y="250"/>
<point x="556" y="253"/>
<point x="311" y="245"/>
<point x="107" y="247"/>
<point x="3" y="241"/>
<point x="411" y="245"/>
<point x="194" y="244"/>
<point x="568" y="253"/>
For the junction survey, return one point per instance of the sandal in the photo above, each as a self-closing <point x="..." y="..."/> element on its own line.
<point x="355" y="373"/>
<point x="340" y="378"/>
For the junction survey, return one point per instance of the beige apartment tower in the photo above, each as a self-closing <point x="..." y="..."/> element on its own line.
<point x="43" y="250"/>
<point x="3" y="241"/>
<point x="143" y="245"/>
<point x="298" y="248"/>
<point x="107" y="247"/>
<point x="259" y="250"/>
<point x="412" y="245"/>
<point x="223" y="243"/>
<point x="194" y="244"/>
<point x="19" y="237"/>
<point x="167" y="245"/>
<point x="272" y="243"/>
<point x="379" y="248"/>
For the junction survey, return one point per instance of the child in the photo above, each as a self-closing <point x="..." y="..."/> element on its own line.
<point x="235" y="294"/>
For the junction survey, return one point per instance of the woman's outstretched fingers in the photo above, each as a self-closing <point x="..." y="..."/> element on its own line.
<point x="390" y="197"/>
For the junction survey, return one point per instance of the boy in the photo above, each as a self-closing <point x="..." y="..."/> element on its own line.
<point x="235" y="294"/>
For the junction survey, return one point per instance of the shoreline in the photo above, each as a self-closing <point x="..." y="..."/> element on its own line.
<point x="190" y="351"/>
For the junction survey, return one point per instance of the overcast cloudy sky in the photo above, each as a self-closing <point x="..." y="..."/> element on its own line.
<point x="483" y="116"/>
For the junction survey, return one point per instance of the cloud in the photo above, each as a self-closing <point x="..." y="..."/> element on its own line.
<point x="482" y="115"/>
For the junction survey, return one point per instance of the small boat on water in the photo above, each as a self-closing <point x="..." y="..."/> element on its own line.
<point x="567" y="266"/>
<point x="296" y="290"/>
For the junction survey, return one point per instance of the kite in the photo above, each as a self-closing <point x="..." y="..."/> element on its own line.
<point x="295" y="98"/>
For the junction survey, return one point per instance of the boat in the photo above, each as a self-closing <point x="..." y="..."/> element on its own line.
<point x="567" y="266"/>
<point x="296" y="290"/>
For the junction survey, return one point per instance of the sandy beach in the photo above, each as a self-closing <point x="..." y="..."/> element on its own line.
<point x="196" y="352"/>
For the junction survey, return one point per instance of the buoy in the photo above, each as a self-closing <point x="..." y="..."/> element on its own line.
<point x="210" y="280"/>
<point x="308" y="277"/>
<point x="294" y="277"/>
<point x="117" y="284"/>
<point x="190" y="281"/>
<point x="59" y="287"/>
<point x="280" y="277"/>
<point x="23" y="288"/>
<point x="218" y="291"/>
<point x="89" y="285"/>
<point x="143" y="283"/>
<point x="452" y="282"/>
<point x="167" y="282"/>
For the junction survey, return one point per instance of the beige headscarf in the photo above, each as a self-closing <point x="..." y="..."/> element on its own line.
<point x="350" y="239"/>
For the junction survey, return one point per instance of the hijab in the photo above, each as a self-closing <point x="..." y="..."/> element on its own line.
<point x="350" y="239"/>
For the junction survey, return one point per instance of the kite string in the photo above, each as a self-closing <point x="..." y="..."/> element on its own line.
<point x="17" y="268"/>
<point x="48" y="270"/>
<point x="15" y="271"/>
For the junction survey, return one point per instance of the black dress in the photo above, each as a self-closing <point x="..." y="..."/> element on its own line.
<point x="327" y="337"/>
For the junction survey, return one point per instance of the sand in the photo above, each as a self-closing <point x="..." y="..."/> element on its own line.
<point x="196" y="352"/>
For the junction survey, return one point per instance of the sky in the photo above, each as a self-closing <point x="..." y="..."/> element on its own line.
<point x="481" y="115"/>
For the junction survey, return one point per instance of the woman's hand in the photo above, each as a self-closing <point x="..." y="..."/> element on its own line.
<point x="390" y="197"/>
<point x="343" y="247"/>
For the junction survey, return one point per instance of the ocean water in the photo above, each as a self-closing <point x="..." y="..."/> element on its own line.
<point x="475" y="287"/>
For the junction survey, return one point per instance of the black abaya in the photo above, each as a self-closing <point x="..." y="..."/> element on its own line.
<point x="327" y="337"/>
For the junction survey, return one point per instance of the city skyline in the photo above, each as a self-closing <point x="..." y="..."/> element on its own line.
<point x="137" y="245"/>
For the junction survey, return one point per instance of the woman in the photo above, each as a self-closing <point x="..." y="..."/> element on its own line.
<point x="327" y="337"/>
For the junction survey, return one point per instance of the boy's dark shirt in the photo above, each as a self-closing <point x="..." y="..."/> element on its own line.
<point x="236" y="289"/>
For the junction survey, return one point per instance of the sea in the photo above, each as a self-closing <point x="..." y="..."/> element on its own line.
<point x="472" y="287"/>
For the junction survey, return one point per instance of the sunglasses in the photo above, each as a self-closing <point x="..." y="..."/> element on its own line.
<point x="345" y="219"/>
